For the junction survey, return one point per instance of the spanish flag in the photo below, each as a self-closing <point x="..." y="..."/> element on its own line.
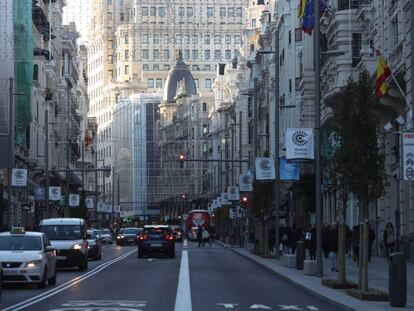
<point x="383" y="72"/>
<point x="301" y="11"/>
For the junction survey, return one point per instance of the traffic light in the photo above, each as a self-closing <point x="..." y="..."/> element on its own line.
<point x="244" y="200"/>
<point x="181" y="159"/>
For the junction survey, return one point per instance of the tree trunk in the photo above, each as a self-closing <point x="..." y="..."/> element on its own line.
<point x="363" y="247"/>
<point x="365" y="259"/>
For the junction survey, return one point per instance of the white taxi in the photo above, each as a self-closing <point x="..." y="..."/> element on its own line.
<point x="27" y="257"/>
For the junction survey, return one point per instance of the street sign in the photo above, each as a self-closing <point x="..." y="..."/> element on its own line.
<point x="265" y="169"/>
<point x="299" y="144"/>
<point x="408" y="156"/>
<point x="246" y="182"/>
<point x="233" y="193"/>
<point x="19" y="177"/>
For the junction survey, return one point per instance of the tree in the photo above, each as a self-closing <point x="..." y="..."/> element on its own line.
<point x="357" y="162"/>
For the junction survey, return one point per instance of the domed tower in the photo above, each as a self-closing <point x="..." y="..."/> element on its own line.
<point x="179" y="79"/>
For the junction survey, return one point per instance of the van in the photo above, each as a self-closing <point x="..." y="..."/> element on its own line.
<point x="68" y="237"/>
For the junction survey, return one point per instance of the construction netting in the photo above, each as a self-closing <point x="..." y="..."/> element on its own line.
<point x="23" y="68"/>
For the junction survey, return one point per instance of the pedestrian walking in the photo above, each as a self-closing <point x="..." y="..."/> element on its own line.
<point x="348" y="240"/>
<point x="389" y="239"/>
<point x="285" y="241"/>
<point x="200" y="236"/>
<point x="333" y="247"/>
<point x="355" y="243"/>
<point x="206" y="237"/>
<point x="326" y="231"/>
<point x="310" y="239"/>
<point x="371" y="236"/>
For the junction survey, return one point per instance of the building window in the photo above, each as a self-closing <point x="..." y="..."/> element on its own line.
<point x="207" y="55"/>
<point x="394" y="32"/>
<point x="145" y="67"/>
<point x="166" y="67"/>
<point x="156" y="39"/>
<point x="228" y="54"/>
<point x="166" y="39"/>
<point x="36" y="72"/>
<point x="197" y="83"/>
<point x="156" y="54"/>
<point x="195" y="39"/>
<point x="236" y="53"/>
<point x="222" y="12"/>
<point x="207" y="39"/>
<point x="254" y="23"/>
<point x="150" y="83"/>
<point x="210" y="11"/>
<point x="121" y="17"/>
<point x="126" y="38"/>
<point x="158" y="83"/>
<point x="161" y="11"/>
<point x="126" y="69"/>
<point x="298" y="34"/>
<point x="189" y="11"/>
<point x="228" y="39"/>
<point x="153" y="11"/>
<point x="144" y="11"/>
<point x="166" y="54"/>
<point x="230" y="12"/>
<point x="205" y="146"/>
<point x="195" y="54"/>
<point x="237" y="40"/>
<point x="181" y="11"/>
<point x="145" y="54"/>
<point x="217" y="54"/>
<point x="145" y="38"/>
<point x="207" y="83"/>
<point x="109" y="15"/>
<point x="126" y="54"/>
<point x="187" y="39"/>
<point x="207" y="67"/>
<point x="217" y="39"/>
<point x="204" y="106"/>
<point x="187" y="54"/>
<point x="239" y="12"/>
<point x="156" y="67"/>
<point x="108" y="2"/>
<point x="179" y="39"/>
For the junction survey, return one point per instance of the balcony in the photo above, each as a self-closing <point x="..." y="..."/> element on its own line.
<point x="40" y="20"/>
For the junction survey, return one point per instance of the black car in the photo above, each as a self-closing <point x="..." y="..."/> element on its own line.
<point x="94" y="245"/>
<point x="128" y="236"/>
<point x="156" y="240"/>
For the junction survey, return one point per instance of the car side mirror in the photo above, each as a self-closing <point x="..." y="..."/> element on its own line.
<point x="49" y="249"/>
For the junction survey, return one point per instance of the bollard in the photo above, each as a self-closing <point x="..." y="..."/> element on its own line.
<point x="300" y="255"/>
<point x="397" y="280"/>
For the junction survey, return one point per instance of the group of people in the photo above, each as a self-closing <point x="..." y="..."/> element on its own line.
<point x="203" y="237"/>
<point x="290" y="236"/>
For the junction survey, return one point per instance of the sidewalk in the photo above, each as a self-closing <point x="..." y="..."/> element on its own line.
<point x="378" y="279"/>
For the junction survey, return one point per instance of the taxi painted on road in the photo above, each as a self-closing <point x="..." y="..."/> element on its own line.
<point x="27" y="257"/>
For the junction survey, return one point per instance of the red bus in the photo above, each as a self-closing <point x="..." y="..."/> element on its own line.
<point x="195" y="219"/>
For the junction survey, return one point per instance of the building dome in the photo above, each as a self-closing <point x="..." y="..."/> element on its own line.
<point x="179" y="77"/>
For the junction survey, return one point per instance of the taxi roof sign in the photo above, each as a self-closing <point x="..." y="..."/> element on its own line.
<point x="18" y="230"/>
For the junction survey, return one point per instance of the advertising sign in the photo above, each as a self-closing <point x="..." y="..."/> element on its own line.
<point x="233" y="193"/>
<point x="19" y="177"/>
<point x="265" y="169"/>
<point x="55" y="193"/>
<point x="246" y="182"/>
<point x="408" y="156"/>
<point x="299" y="144"/>
<point x="74" y="200"/>
<point x="289" y="171"/>
<point x="89" y="202"/>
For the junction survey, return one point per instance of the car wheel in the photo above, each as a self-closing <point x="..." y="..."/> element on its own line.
<point x="84" y="265"/>
<point x="42" y="283"/>
<point x="52" y="280"/>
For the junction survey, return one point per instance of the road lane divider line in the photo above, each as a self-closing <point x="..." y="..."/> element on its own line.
<point x="54" y="291"/>
<point x="183" y="298"/>
<point x="185" y="243"/>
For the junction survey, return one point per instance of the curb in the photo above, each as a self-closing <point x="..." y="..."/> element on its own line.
<point x="291" y="281"/>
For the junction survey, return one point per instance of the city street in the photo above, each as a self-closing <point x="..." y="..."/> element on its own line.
<point x="215" y="278"/>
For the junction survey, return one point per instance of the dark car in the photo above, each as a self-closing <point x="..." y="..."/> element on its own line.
<point x="128" y="236"/>
<point x="94" y="245"/>
<point x="156" y="240"/>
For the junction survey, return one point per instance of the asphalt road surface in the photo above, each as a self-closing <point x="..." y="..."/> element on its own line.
<point x="199" y="279"/>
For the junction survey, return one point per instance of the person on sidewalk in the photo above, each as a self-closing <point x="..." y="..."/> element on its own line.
<point x="333" y="247"/>
<point x="389" y="239"/>
<point x="371" y="235"/>
<point x="355" y="243"/>
<point x="310" y="239"/>
<point x="326" y="231"/>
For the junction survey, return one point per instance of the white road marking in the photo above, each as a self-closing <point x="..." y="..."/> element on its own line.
<point x="228" y="305"/>
<point x="293" y="307"/>
<point x="185" y="243"/>
<point x="183" y="298"/>
<point x="260" y="307"/>
<point x="104" y="303"/>
<point x="31" y="301"/>
<point x="312" y="308"/>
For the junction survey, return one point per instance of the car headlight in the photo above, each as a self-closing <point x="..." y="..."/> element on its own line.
<point x="77" y="246"/>
<point x="120" y="237"/>
<point x="33" y="264"/>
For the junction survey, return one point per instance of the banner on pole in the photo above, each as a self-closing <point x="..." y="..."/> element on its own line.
<point x="55" y="194"/>
<point x="299" y="144"/>
<point x="265" y="169"/>
<point x="408" y="156"/>
<point x="74" y="200"/>
<point x="19" y="177"/>
<point x="246" y="182"/>
<point x="100" y="207"/>
<point x="89" y="202"/>
<point x="233" y="193"/>
<point x="289" y="171"/>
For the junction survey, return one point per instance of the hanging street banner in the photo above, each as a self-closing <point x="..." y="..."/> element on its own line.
<point x="19" y="177"/>
<point x="40" y="193"/>
<point x="225" y="198"/>
<point x="299" y="144"/>
<point x="117" y="209"/>
<point x="233" y="193"/>
<point x="55" y="194"/>
<point x="100" y="207"/>
<point x="89" y="202"/>
<point x="265" y="169"/>
<point x="408" y="156"/>
<point x="219" y="201"/>
<point x="74" y="200"/>
<point x="246" y="182"/>
<point x="289" y="171"/>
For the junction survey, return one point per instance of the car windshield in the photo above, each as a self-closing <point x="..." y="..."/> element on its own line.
<point x="20" y="243"/>
<point x="105" y="231"/>
<point x="130" y="231"/>
<point x="63" y="232"/>
<point x="90" y="235"/>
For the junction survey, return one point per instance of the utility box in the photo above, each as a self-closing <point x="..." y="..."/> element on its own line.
<point x="397" y="280"/>
<point x="300" y="255"/>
